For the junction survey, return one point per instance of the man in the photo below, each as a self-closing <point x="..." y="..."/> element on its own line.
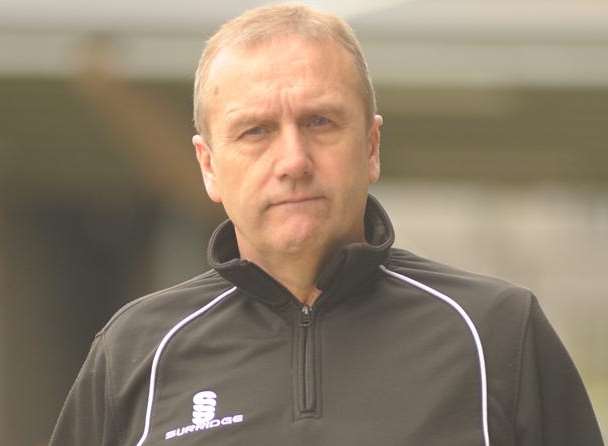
<point x="310" y="329"/>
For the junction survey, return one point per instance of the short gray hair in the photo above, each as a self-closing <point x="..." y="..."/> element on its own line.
<point x="265" y="23"/>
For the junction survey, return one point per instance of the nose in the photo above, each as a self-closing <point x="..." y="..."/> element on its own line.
<point x="293" y="158"/>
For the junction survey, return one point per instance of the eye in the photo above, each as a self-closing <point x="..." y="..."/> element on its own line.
<point x="254" y="132"/>
<point x="318" y="121"/>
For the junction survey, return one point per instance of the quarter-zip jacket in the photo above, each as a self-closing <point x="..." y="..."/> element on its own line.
<point x="397" y="350"/>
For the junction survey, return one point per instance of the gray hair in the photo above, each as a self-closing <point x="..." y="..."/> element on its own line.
<point x="265" y="23"/>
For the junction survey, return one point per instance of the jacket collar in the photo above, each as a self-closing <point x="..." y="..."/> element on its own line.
<point x="346" y="269"/>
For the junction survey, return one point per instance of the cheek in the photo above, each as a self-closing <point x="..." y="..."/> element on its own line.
<point x="347" y="165"/>
<point x="240" y="181"/>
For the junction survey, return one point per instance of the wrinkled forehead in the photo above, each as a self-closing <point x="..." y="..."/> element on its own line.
<point x="287" y="74"/>
<point x="281" y="62"/>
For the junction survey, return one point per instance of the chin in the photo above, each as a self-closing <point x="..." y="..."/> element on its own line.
<point x="294" y="240"/>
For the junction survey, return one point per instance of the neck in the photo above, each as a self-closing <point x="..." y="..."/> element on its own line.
<point x="297" y="273"/>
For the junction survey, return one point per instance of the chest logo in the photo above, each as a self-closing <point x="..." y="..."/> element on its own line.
<point x="204" y="405"/>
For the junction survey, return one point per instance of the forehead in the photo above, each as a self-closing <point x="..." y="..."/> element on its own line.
<point x="291" y="65"/>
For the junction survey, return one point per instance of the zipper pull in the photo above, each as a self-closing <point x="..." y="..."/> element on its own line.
<point x="306" y="316"/>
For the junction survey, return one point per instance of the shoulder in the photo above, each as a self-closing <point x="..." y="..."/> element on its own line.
<point x="147" y="318"/>
<point x="486" y="299"/>
<point x="498" y="314"/>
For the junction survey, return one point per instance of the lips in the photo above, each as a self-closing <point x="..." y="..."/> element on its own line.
<point x="295" y="200"/>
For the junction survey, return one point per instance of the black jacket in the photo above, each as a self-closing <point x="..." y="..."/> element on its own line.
<point x="397" y="350"/>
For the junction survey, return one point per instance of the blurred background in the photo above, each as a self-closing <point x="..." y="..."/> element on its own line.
<point x="495" y="159"/>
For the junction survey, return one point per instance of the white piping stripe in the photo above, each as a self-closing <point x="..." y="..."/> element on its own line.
<point x="159" y="351"/>
<point x="471" y="325"/>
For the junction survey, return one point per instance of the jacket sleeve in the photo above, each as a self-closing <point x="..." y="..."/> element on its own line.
<point x="552" y="406"/>
<point x="85" y="415"/>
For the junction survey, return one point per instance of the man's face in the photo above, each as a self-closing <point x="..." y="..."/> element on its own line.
<point x="291" y="153"/>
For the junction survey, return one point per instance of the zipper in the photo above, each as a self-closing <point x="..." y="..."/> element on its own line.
<point x="306" y="390"/>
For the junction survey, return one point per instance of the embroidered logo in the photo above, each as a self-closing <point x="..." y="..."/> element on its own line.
<point x="203" y="409"/>
<point x="204" y="405"/>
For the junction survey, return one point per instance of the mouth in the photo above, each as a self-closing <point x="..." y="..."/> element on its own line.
<point x="296" y="201"/>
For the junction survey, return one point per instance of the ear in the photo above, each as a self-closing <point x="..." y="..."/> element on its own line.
<point x="204" y="155"/>
<point x="373" y="155"/>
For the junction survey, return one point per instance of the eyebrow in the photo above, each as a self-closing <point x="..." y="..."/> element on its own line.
<point x="332" y="109"/>
<point x="244" y="118"/>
